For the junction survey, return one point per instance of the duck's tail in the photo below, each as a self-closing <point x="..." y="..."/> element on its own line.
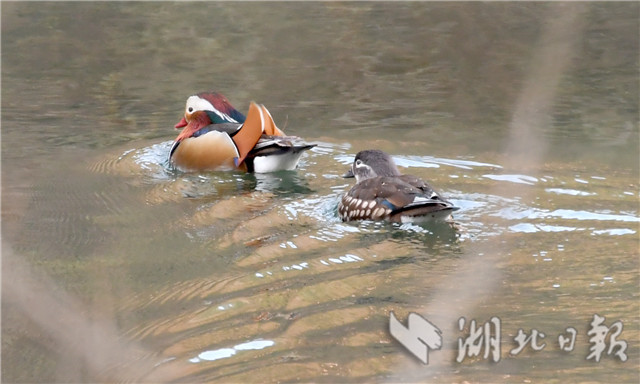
<point x="421" y="210"/>
<point x="276" y="153"/>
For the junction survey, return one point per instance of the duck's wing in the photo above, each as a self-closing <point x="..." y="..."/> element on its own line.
<point x="273" y="145"/>
<point x="276" y="153"/>
<point x="393" y="197"/>
<point x="418" y="199"/>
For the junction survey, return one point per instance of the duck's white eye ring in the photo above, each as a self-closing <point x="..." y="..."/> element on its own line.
<point x="358" y="163"/>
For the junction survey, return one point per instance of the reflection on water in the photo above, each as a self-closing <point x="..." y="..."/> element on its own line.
<point x="572" y="192"/>
<point x="234" y="277"/>
<point x="522" y="179"/>
<point x="228" y="352"/>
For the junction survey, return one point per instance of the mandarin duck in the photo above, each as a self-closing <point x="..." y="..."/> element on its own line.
<point x="216" y="136"/>
<point x="381" y="192"/>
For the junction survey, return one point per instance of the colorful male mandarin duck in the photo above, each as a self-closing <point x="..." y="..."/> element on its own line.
<point x="215" y="136"/>
<point x="382" y="193"/>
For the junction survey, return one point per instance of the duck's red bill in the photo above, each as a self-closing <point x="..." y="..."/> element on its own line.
<point x="181" y="124"/>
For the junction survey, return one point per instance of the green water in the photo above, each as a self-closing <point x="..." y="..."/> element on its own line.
<point x="117" y="268"/>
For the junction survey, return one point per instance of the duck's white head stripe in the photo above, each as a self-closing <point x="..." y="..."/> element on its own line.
<point x="197" y="103"/>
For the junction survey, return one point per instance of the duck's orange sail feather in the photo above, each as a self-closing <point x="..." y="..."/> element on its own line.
<point x="250" y="132"/>
<point x="269" y="125"/>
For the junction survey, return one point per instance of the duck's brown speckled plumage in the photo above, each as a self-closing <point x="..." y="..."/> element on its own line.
<point x="394" y="197"/>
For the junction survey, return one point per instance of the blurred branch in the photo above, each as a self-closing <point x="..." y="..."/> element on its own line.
<point x="92" y="345"/>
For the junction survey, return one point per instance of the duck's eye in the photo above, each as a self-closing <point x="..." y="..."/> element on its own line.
<point x="190" y="109"/>
<point x="358" y="163"/>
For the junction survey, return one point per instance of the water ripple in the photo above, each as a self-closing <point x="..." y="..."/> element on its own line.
<point x="532" y="228"/>
<point x="614" y="232"/>
<point x="223" y="353"/>
<point x="586" y="215"/>
<point x="572" y="192"/>
<point x="424" y="162"/>
<point x="154" y="159"/>
<point x="520" y="179"/>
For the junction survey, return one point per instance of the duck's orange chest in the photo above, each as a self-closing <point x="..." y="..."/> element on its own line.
<point x="211" y="151"/>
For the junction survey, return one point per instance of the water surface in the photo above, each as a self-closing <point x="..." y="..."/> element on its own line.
<point x="118" y="268"/>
